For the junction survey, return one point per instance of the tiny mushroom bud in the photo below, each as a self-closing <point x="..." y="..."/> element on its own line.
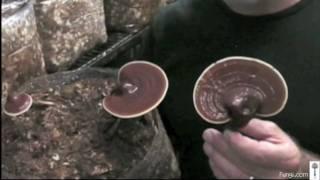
<point x="238" y="89"/>
<point x="17" y="104"/>
<point x="141" y="87"/>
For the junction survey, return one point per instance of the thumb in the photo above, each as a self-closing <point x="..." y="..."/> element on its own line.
<point x="261" y="130"/>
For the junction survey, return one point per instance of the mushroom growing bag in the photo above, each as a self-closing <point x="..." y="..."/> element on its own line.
<point x="21" y="53"/>
<point x="121" y="14"/>
<point x="68" y="28"/>
<point x="70" y="136"/>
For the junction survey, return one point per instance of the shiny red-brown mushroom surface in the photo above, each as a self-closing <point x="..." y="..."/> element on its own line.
<point x="237" y="87"/>
<point x="142" y="87"/>
<point x="17" y="104"/>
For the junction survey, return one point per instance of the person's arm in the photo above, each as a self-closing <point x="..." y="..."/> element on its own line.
<point x="260" y="150"/>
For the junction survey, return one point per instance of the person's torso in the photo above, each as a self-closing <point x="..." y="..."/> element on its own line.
<point x="192" y="34"/>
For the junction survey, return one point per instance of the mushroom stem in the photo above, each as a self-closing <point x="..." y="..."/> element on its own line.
<point x="123" y="87"/>
<point x="113" y="129"/>
<point x="242" y="105"/>
<point x="12" y="97"/>
<point x="117" y="89"/>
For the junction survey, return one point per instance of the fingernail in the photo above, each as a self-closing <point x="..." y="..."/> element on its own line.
<point x="207" y="149"/>
<point x="206" y="135"/>
<point x="209" y="134"/>
<point x="227" y="133"/>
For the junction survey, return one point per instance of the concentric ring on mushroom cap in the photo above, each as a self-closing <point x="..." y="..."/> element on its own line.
<point x="18" y="104"/>
<point x="238" y="72"/>
<point x="148" y="85"/>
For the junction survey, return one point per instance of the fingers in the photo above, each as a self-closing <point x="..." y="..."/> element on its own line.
<point x="241" y="153"/>
<point x="262" y="130"/>
<point x="261" y="148"/>
<point x="264" y="145"/>
<point x="243" y="145"/>
<point x="218" y="173"/>
<point x="232" y="141"/>
<point x="214" y="137"/>
<point x="222" y="167"/>
<point x="251" y="150"/>
<point x="215" y="140"/>
<point x="262" y="156"/>
<point x="223" y="143"/>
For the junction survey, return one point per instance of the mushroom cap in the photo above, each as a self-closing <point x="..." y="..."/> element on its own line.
<point x="145" y="85"/>
<point x="239" y="75"/>
<point x="18" y="104"/>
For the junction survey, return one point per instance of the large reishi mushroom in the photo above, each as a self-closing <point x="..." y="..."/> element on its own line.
<point x="17" y="104"/>
<point x="238" y="89"/>
<point x="141" y="87"/>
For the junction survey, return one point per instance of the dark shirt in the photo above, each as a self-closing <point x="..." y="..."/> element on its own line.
<point x="191" y="34"/>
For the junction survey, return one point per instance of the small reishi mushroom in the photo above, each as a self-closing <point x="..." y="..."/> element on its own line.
<point x="141" y="87"/>
<point x="238" y="89"/>
<point x="17" y="104"/>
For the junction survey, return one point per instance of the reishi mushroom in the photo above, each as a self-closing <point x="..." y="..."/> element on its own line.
<point x="141" y="87"/>
<point x="17" y="104"/>
<point x="236" y="89"/>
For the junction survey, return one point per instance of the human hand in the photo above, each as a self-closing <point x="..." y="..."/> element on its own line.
<point x="260" y="150"/>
